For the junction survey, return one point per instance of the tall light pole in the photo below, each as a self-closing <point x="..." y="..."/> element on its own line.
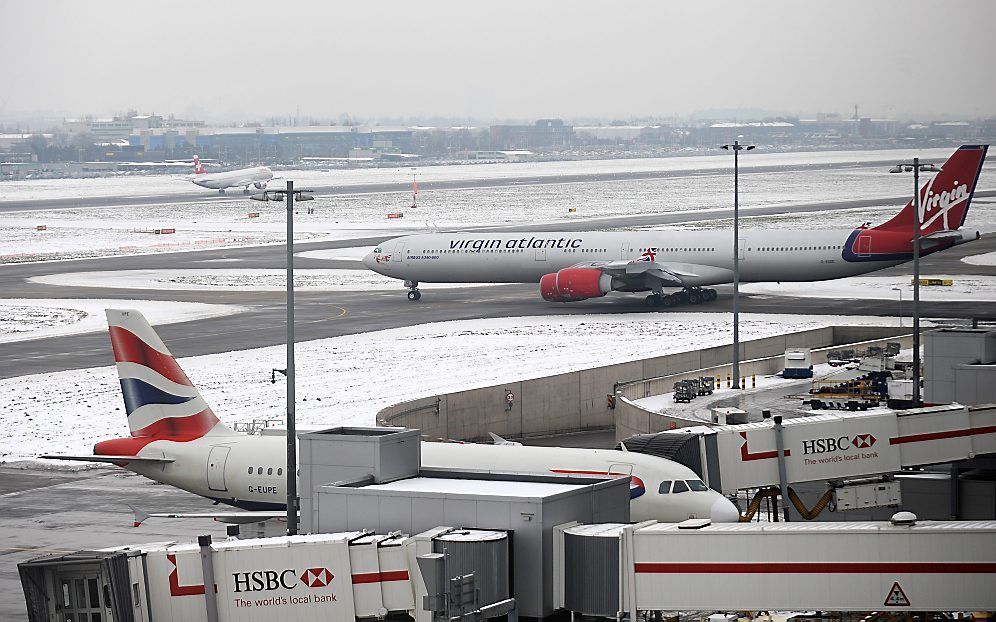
<point x="736" y="147"/>
<point x="916" y="167"/>
<point x="278" y="195"/>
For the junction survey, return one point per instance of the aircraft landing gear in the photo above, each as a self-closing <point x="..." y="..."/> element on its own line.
<point x="413" y="293"/>
<point x="696" y="295"/>
<point x="690" y="296"/>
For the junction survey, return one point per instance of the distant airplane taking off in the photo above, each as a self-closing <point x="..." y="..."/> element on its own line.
<point x="576" y="266"/>
<point x="245" y="177"/>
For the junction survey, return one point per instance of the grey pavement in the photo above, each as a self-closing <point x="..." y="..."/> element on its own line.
<point x="328" y="314"/>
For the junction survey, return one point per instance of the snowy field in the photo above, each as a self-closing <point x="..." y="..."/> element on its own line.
<point x="141" y="185"/>
<point x="963" y="287"/>
<point x="30" y="318"/>
<point x="346" y="380"/>
<point x="117" y="230"/>
<point x="985" y="259"/>
<point x="235" y="280"/>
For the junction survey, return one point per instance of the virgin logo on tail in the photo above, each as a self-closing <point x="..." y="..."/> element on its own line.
<point x="945" y="200"/>
<point x="198" y="167"/>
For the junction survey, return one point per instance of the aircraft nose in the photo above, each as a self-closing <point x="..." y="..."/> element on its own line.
<point x="723" y="511"/>
<point x="369" y="262"/>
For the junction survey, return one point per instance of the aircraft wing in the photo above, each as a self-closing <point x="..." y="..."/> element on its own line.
<point x="109" y="459"/>
<point x="669" y="274"/>
<point x="234" y="517"/>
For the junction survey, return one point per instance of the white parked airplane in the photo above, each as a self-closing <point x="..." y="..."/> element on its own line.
<point x="176" y="439"/>
<point x="577" y="266"/>
<point x="246" y="177"/>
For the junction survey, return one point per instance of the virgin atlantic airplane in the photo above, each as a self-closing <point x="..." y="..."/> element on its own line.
<point x="577" y="266"/>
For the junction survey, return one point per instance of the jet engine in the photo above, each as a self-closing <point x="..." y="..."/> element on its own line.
<point x="260" y="185"/>
<point x="571" y="284"/>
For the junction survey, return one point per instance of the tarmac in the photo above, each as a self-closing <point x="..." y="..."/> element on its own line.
<point x="329" y="314"/>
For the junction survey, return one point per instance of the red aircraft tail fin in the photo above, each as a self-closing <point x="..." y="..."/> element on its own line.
<point x="945" y="198"/>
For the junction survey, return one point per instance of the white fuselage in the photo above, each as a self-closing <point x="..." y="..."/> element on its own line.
<point x="765" y="255"/>
<point x="247" y="471"/>
<point x="228" y="179"/>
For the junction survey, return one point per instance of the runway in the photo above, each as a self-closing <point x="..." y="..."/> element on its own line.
<point x="328" y="314"/>
<point x="235" y="194"/>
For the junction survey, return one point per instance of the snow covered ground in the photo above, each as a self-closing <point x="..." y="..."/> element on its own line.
<point x="346" y="380"/>
<point x="116" y="230"/>
<point x="963" y="287"/>
<point x="985" y="259"/>
<point x="235" y="280"/>
<point x="34" y="318"/>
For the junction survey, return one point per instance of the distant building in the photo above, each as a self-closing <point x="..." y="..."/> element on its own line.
<point x="101" y="129"/>
<point x="544" y="134"/>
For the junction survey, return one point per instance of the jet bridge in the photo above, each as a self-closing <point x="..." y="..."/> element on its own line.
<point x="838" y="446"/>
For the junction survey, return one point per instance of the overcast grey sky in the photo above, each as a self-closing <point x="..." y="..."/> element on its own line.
<point x="494" y="60"/>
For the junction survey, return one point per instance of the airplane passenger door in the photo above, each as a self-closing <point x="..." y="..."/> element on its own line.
<point x="398" y="253"/>
<point x="624" y="251"/>
<point x="741" y="250"/>
<point x="216" y="467"/>
<point x="540" y="254"/>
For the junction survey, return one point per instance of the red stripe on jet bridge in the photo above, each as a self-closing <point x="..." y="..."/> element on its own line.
<point x="379" y="577"/>
<point x="175" y="589"/>
<point x="933" y="436"/>
<point x="818" y="568"/>
<point x="746" y="456"/>
<point x="129" y="348"/>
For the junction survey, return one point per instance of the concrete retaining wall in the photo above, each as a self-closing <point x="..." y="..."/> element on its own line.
<point x="578" y="401"/>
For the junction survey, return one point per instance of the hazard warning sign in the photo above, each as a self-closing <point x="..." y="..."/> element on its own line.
<point x="896" y="597"/>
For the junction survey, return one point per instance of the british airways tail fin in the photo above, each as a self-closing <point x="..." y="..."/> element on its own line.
<point x="161" y="402"/>
<point x="945" y="197"/>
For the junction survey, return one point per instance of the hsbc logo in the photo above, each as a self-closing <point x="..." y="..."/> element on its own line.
<point x="839" y="443"/>
<point x="316" y="577"/>
<point x="266" y="580"/>
<point x="863" y="441"/>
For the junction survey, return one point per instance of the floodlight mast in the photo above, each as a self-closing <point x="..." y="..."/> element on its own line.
<point x="736" y="147"/>
<point x="278" y="195"/>
<point x="916" y="167"/>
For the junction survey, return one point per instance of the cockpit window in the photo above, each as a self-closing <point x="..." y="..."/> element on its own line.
<point x="378" y="250"/>
<point x="697" y="485"/>
<point x="679" y="486"/>
<point x="665" y="487"/>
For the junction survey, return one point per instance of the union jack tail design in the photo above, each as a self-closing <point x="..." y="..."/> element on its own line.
<point x="198" y="167"/>
<point x="161" y="402"/>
